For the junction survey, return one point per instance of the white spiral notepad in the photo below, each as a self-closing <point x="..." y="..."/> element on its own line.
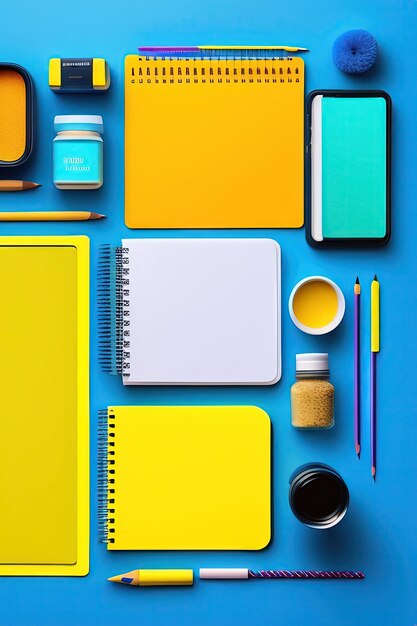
<point x="192" y="311"/>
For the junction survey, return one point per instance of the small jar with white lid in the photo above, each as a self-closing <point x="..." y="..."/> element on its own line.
<point x="78" y="152"/>
<point x="312" y="396"/>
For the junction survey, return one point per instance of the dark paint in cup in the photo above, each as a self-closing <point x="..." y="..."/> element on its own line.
<point x="318" y="495"/>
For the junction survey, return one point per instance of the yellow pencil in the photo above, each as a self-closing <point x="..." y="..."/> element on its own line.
<point x="374" y="350"/>
<point x="285" y="48"/>
<point x="17" y="185"/>
<point x="155" y="577"/>
<point x="375" y="315"/>
<point x="155" y="50"/>
<point x="48" y="216"/>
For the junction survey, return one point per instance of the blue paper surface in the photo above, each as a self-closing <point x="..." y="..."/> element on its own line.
<point x="378" y="534"/>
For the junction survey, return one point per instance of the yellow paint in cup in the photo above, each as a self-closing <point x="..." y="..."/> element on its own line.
<point x="316" y="305"/>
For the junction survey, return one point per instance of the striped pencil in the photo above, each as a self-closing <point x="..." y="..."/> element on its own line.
<point x="231" y="573"/>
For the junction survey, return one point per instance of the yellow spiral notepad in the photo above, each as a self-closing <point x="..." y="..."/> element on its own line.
<point x="184" y="478"/>
<point x="214" y="143"/>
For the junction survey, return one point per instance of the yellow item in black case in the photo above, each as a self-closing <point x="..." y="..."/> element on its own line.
<point x="16" y="124"/>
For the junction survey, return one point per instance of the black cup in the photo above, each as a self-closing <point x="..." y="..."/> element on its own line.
<point x="318" y="496"/>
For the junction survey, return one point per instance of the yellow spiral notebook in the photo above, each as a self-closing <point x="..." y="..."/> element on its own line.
<point x="44" y="460"/>
<point x="184" y="478"/>
<point x="214" y="143"/>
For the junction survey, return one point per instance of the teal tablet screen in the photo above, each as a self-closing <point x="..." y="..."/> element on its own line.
<point x="354" y="165"/>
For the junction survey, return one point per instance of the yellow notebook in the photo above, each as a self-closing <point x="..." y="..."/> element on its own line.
<point x="185" y="478"/>
<point x="214" y="143"/>
<point x="44" y="460"/>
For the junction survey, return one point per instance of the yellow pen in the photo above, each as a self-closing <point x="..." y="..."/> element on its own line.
<point x="375" y="345"/>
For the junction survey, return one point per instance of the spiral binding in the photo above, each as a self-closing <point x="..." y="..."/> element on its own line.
<point x="239" y="69"/>
<point x="106" y="476"/>
<point x="114" y="309"/>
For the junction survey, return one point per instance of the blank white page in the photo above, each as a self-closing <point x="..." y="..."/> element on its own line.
<point x="204" y="312"/>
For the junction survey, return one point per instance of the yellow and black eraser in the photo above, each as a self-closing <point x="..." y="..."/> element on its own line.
<point x="79" y="75"/>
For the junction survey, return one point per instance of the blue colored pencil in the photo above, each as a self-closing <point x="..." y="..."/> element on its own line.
<point x="357" y="416"/>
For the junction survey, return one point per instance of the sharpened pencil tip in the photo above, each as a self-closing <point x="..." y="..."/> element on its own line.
<point x="118" y="579"/>
<point x="357" y="280"/>
<point x="375" y="277"/>
<point x="96" y="216"/>
<point x="373" y="470"/>
<point x="29" y="185"/>
<point x="358" y="449"/>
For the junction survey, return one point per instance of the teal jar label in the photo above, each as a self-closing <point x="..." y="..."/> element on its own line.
<point x="78" y="162"/>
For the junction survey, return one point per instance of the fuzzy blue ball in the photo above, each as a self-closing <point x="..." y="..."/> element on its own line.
<point x="355" y="51"/>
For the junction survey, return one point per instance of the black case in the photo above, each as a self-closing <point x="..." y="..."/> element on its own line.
<point x="346" y="242"/>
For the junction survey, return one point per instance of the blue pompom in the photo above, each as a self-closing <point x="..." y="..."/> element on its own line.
<point x="355" y="51"/>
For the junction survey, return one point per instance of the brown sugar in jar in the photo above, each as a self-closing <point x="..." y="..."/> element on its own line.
<point x="312" y="396"/>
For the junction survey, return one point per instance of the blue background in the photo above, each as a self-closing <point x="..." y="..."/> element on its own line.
<point x="379" y="533"/>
